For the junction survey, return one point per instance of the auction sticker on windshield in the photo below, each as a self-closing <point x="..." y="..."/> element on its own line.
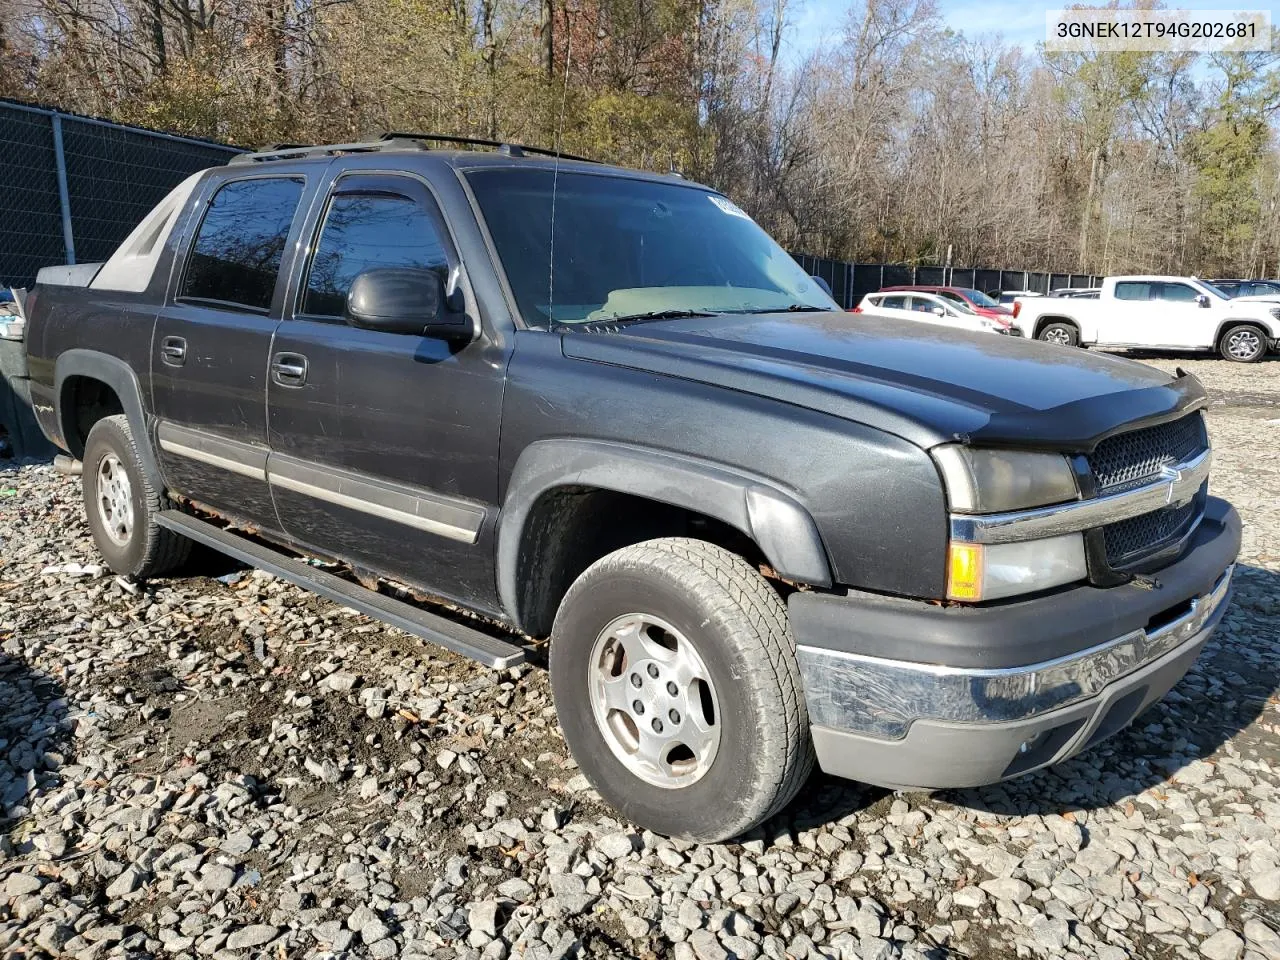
<point x="729" y="207"/>
<point x="1089" y="30"/>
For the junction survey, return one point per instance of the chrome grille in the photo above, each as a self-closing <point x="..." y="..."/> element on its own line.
<point x="1128" y="459"/>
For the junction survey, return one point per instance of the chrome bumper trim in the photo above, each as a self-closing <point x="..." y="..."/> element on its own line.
<point x="1177" y="484"/>
<point x="883" y="697"/>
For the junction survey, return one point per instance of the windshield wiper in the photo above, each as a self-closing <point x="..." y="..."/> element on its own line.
<point x="789" y="308"/>
<point x="654" y="315"/>
<point x="608" y="323"/>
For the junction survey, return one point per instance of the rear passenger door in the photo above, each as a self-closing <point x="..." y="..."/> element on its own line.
<point x="1132" y="317"/>
<point x="211" y="342"/>
<point x="384" y="446"/>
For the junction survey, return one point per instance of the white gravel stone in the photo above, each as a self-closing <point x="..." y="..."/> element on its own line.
<point x="21" y="884"/>
<point x="1266" y="884"/>
<point x="216" y="877"/>
<point x="252" y="936"/>
<point x="1007" y="888"/>
<point x="969" y="898"/>
<point x="1223" y="945"/>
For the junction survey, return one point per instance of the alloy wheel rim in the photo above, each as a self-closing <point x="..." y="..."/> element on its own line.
<point x="1057" y="335"/>
<point x="654" y="701"/>
<point x="1243" y="344"/>
<point x="115" y="499"/>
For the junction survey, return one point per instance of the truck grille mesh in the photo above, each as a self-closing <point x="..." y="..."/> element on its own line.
<point x="1130" y="540"/>
<point x="1129" y="458"/>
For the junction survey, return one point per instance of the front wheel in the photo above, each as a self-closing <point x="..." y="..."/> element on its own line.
<point x="1242" y="344"/>
<point x="676" y="685"/>
<point x="1060" y="333"/>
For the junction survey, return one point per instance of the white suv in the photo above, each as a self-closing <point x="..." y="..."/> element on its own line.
<point x="929" y="308"/>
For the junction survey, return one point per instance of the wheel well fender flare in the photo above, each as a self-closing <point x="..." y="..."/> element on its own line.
<point x="778" y="524"/>
<point x="117" y="375"/>
<point x="1042" y="322"/>
<point x="1267" y="332"/>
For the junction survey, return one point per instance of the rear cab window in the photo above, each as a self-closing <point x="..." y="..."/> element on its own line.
<point x="235" y="258"/>
<point x="1134" y="290"/>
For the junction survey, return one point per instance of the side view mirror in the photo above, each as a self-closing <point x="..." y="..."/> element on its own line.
<point x="409" y="300"/>
<point x="826" y="287"/>
<point x="938" y="311"/>
<point x="1203" y="299"/>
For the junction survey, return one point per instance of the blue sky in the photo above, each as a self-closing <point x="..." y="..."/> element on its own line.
<point x="1019" y="22"/>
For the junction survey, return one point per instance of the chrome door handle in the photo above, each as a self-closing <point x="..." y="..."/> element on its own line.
<point x="173" y="351"/>
<point x="289" y="369"/>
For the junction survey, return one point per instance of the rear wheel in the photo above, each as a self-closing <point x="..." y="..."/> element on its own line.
<point x="121" y="505"/>
<point x="676" y="685"/>
<point x="1061" y="333"/>
<point x="1242" y="343"/>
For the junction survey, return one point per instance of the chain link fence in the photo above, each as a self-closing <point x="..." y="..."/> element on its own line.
<point x="71" y="188"/>
<point x="851" y="281"/>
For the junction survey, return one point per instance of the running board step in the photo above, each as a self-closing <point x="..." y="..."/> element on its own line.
<point x="441" y="631"/>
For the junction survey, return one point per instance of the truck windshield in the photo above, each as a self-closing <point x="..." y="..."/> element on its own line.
<point x="615" y="248"/>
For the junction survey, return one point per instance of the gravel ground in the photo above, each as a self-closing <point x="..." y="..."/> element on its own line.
<point x="224" y="766"/>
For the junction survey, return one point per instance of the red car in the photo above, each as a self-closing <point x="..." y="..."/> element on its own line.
<point x="975" y="300"/>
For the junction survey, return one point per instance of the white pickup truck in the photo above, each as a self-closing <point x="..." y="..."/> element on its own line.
<point x="1161" y="313"/>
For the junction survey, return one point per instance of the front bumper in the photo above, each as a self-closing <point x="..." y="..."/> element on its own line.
<point x="905" y="721"/>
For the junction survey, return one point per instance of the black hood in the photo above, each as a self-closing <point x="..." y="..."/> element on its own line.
<point x="925" y="383"/>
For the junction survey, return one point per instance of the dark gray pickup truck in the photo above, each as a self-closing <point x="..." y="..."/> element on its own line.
<point x="558" y="399"/>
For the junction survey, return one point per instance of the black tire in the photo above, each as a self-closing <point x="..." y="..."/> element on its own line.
<point x="742" y="636"/>
<point x="1242" y="343"/>
<point x="143" y="549"/>
<point x="1061" y="333"/>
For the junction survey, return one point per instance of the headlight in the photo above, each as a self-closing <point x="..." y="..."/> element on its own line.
<point x="999" y="481"/>
<point x="993" y="481"/>
<point x="989" y="571"/>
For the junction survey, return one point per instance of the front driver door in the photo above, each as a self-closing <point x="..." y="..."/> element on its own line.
<point x="384" y="446"/>
<point x="1181" y="321"/>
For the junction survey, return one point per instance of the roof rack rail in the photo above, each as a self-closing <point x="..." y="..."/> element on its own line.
<point x="388" y="141"/>
<point x="511" y="149"/>
<point x="289" y="152"/>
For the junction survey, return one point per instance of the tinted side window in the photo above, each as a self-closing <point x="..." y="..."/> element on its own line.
<point x="953" y="297"/>
<point x="236" y="254"/>
<point x="364" y="230"/>
<point x="1133" y="291"/>
<point x="1177" y="292"/>
<point x="894" y="303"/>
